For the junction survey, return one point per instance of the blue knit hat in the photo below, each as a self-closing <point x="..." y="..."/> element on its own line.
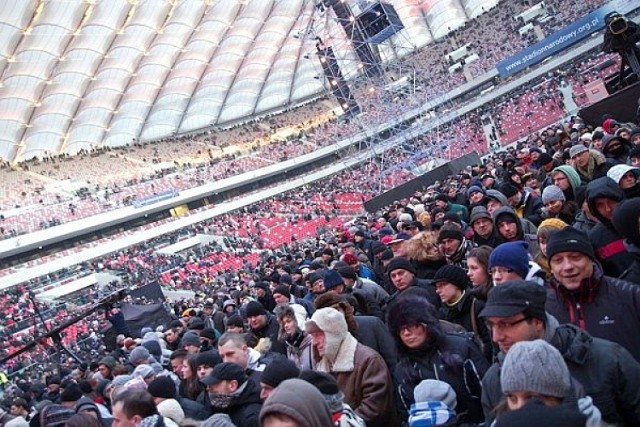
<point x="511" y="255"/>
<point x="332" y="279"/>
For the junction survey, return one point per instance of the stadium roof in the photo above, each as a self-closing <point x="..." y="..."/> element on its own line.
<point x="79" y="74"/>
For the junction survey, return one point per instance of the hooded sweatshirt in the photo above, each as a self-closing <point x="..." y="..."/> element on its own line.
<point x="574" y="180"/>
<point x="299" y="400"/>
<point x="526" y="230"/>
<point x="607" y="242"/>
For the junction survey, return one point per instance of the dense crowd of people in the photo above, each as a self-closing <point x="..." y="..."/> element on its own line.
<point x="504" y="295"/>
<point x="493" y="296"/>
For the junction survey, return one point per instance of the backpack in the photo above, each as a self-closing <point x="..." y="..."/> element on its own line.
<point x="455" y="329"/>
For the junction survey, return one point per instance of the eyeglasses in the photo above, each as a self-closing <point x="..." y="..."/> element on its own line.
<point x="505" y="325"/>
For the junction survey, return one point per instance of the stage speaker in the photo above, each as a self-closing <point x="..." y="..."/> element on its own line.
<point x="379" y="21"/>
<point x="595" y="91"/>
<point x="613" y="83"/>
<point x="622" y="106"/>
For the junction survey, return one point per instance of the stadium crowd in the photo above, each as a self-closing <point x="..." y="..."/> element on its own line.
<point x="441" y="307"/>
<point x="506" y="294"/>
<point x="138" y="169"/>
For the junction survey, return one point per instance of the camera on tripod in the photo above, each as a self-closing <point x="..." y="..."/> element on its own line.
<point x="622" y="36"/>
<point x="618" y="24"/>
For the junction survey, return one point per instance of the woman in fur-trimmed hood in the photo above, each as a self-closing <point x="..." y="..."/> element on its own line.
<point x="360" y="372"/>
<point x="426" y="352"/>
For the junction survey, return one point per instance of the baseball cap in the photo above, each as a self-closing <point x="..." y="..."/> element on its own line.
<point x="517" y="296"/>
<point x="225" y="371"/>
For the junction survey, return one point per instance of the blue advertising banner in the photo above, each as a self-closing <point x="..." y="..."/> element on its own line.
<point x="561" y="39"/>
<point x="150" y="200"/>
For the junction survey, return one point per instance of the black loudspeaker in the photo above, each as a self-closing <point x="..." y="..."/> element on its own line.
<point x="622" y="106"/>
<point x="379" y="21"/>
<point x="614" y="84"/>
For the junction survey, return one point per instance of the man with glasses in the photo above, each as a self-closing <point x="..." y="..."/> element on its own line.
<point x="567" y="179"/>
<point x="515" y="312"/>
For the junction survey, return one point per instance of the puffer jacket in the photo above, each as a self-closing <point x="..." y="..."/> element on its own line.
<point x="609" y="245"/>
<point x="605" y="370"/>
<point x="583" y="222"/>
<point x="605" y="307"/>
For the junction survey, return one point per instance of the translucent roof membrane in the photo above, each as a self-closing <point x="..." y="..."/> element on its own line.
<point x="444" y="16"/>
<point x="79" y="74"/>
<point x="473" y="8"/>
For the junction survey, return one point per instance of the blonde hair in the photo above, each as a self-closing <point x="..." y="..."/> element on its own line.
<point x="424" y="247"/>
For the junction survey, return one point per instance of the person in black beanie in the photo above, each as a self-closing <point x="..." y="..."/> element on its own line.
<point x="460" y="306"/>
<point x="277" y="371"/>
<point x="453" y="245"/>
<point x="263" y="294"/>
<point x="402" y="275"/>
<point x="264" y="325"/>
<point x="53" y="389"/>
<point x="547" y="164"/>
<point x="70" y="395"/>
<point x="581" y="294"/>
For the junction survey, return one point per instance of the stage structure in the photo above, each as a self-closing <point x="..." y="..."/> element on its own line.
<point x="364" y="56"/>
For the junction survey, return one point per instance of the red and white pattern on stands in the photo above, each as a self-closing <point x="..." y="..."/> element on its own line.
<point x="535" y="109"/>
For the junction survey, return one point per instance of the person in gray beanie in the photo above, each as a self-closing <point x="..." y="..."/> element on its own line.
<point x="191" y="342"/>
<point x="557" y="206"/>
<point x="139" y="355"/>
<point x="534" y="368"/>
<point x="475" y="195"/>
<point x="552" y="193"/>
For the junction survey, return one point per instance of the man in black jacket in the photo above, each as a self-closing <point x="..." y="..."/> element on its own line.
<point x="403" y="277"/>
<point x="264" y="325"/>
<point x="525" y="204"/>
<point x="581" y="294"/>
<point x="515" y="311"/>
<point x="231" y="393"/>
<point x="484" y="233"/>
<point x="625" y="220"/>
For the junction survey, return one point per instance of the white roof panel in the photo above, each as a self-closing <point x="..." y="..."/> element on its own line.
<point x="81" y="73"/>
